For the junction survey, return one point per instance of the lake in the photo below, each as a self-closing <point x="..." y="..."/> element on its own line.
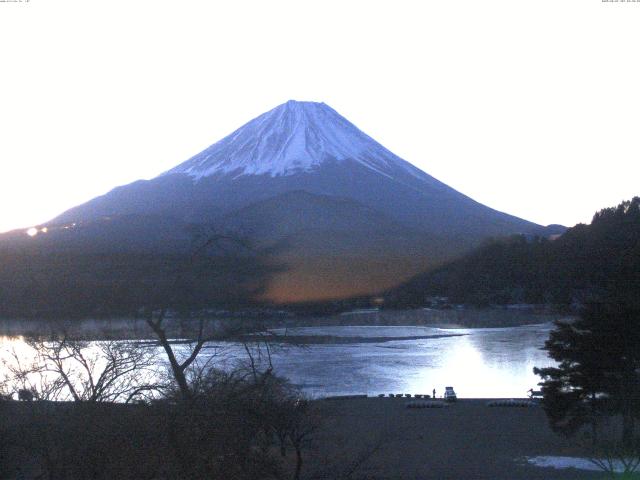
<point x="482" y="363"/>
<point x="477" y="362"/>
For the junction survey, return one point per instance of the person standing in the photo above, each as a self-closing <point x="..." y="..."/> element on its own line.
<point x="434" y="393"/>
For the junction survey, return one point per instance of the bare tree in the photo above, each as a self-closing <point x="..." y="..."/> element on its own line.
<point x="614" y="457"/>
<point x="303" y="425"/>
<point x="178" y="367"/>
<point x="63" y="367"/>
<point x="188" y="368"/>
<point x="26" y="373"/>
<point x="187" y="293"/>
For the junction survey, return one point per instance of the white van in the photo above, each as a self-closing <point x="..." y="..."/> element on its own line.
<point x="449" y="394"/>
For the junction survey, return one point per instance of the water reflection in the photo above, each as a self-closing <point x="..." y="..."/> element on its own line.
<point x="480" y="363"/>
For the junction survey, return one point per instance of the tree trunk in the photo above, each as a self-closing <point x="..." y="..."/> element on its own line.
<point x="181" y="380"/>
<point x="627" y="428"/>
<point x="176" y="368"/>
<point x="627" y="411"/>
<point x="298" y="463"/>
<point x="594" y="431"/>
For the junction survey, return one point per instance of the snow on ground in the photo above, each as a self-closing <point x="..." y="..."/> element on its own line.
<point x="570" y="462"/>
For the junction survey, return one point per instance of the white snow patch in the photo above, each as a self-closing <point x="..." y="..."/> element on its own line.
<point x="294" y="137"/>
<point x="570" y="462"/>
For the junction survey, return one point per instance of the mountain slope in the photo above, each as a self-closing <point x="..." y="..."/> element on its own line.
<point x="347" y="215"/>
<point x="302" y="146"/>
<point x="335" y="244"/>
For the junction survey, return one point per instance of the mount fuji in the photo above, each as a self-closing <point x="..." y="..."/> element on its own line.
<point x="350" y="216"/>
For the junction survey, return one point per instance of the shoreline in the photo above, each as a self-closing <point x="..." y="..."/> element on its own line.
<point x="338" y="340"/>
<point x="132" y="328"/>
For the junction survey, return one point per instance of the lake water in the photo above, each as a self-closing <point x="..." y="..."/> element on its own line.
<point x="481" y="362"/>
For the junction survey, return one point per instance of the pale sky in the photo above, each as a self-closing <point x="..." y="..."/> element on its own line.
<point x="530" y="107"/>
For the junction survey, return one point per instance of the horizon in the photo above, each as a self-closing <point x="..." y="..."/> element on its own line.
<point x="541" y="127"/>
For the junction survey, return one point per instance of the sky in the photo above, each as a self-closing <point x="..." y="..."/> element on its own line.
<point x="532" y="108"/>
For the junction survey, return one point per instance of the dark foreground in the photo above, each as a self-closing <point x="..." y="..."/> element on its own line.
<point x="372" y="438"/>
<point x="467" y="440"/>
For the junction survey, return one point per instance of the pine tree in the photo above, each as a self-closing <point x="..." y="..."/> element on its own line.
<point x="598" y="370"/>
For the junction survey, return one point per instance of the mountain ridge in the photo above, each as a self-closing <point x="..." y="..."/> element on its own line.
<point x="397" y="220"/>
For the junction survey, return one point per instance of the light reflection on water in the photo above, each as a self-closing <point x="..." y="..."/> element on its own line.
<point x="483" y="363"/>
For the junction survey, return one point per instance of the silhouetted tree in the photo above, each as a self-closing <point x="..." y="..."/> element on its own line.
<point x="598" y="371"/>
<point x="196" y="284"/>
<point x="63" y="367"/>
<point x="598" y="354"/>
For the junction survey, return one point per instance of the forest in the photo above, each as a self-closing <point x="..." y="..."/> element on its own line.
<point x="564" y="272"/>
<point x="581" y="265"/>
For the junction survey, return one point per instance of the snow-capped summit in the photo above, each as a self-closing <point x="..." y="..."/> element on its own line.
<point x="344" y="214"/>
<point x="293" y="137"/>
